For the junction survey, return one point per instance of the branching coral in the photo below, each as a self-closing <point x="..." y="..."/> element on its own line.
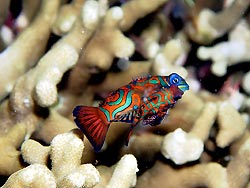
<point x="120" y="46"/>
<point x="53" y="125"/>
<point x="65" y="153"/>
<point x="123" y="78"/>
<point x="231" y="124"/>
<point x="36" y="175"/>
<point x="245" y="82"/>
<point x="133" y="10"/>
<point x="67" y="16"/>
<point x="33" y="152"/>
<point x="238" y="168"/>
<point x="150" y="40"/>
<point x="67" y="170"/>
<point x="29" y="10"/>
<point x="25" y="50"/>
<point x="101" y="58"/>
<point x="210" y="175"/>
<point x="9" y="144"/>
<point x="228" y="53"/>
<point x="3" y="15"/>
<point x="127" y="166"/>
<point x="97" y="59"/>
<point x="171" y="56"/>
<point x="121" y="175"/>
<point x="182" y="147"/>
<point x="208" y="25"/>
<point x="4" y="11"/>
<point x="40" y="83"/>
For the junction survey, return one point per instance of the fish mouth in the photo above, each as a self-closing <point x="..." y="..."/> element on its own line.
<point x="176" y="98"/>
<point x="184" y="87"/>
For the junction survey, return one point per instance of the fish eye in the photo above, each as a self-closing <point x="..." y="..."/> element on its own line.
<point x="175" y="80"/>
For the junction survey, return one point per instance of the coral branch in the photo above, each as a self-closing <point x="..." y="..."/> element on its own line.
<point x="84" y="176"/>
<point x="67" y="16"/>
<point x="53" y="125"/>
<point x="127" y="166"/>
<point x="231" y="125"/>
<point x="149" y="144"/>
<point x="66" y="153"/>
<point x="181" y="147"/>
<point x="238" y="168"/>
<point x="45" y="89"/>
<point x="29" y="11"/>
<point x="36" y="175"/>
<point x="9" y="144"/>
<point x="63" y="147"/>
<point x="150" y="40"/>
<point x="229" y="17"/>
<point x="134" y="10"/>
<point x="80" y="75"/>
<point x="120" y="46"/>
<point x="210" y="175"/>
<point x="4" y="7"/>
<point x="203" y="124"/>
<point x="40" y="83"/>
<point x="171" y="56"/>
<point x="33" y="152"/>
<point x="228" y="53"/>
<point x="210" y="25"/>
<point x="246" y="81"/>
<point x="134" y="70"/>
<point x="25" y="50"/>
<point x="120" y="175"/>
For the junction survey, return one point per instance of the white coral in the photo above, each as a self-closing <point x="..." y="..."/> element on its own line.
<point x="124" y="175"/>
<point x="181" y="147"/>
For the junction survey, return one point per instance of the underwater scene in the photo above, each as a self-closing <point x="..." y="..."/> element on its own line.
<point x="124" y="94"/>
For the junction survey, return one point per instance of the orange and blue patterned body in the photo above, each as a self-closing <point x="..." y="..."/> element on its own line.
<point x="126" y="103"/>
<point x="156" y="106"/>
<point x="145" y="100"/>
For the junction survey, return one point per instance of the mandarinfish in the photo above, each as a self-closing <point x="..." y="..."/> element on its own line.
<point x="144" y="100"/>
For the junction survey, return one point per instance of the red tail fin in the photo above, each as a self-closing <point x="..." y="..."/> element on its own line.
<point x="93" y="123"/>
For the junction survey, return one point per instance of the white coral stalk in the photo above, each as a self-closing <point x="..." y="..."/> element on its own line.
<point x="124" y="175"/>
<point x="35" y="175"/>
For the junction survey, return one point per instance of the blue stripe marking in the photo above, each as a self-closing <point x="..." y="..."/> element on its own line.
<point x="166" y="97"/>
<point x="153" y="81"/>
<point x="106" y="112"/>
<point x="159" y="101"/>
<point x="150" y="107"/>
<point x="123" y="107"/>
<point x="119" y="100"/>
<point x="163" y="83"/>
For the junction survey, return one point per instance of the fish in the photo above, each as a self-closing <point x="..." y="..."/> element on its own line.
<point x="144" y="100"/>
<point x="156" y="106"/>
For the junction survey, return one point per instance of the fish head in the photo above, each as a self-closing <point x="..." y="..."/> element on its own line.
<point x="176" y="92"/>
<point x="177" y="80"/>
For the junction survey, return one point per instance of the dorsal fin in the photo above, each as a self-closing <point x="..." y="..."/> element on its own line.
<point x="142" y="76"/>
